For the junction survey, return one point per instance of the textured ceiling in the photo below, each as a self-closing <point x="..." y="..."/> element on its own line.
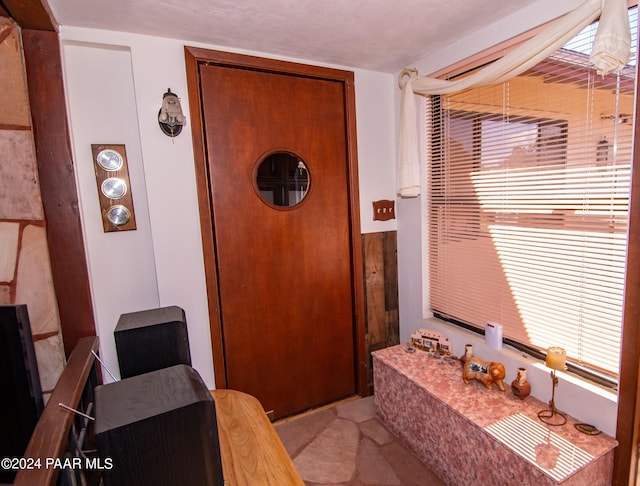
<point x="380" y="35"/>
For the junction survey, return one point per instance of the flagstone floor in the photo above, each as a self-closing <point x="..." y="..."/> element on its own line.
<point x="348" y="445"/>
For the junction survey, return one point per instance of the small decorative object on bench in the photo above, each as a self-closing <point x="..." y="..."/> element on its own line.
<point x="468" y="354"/>
<point x="520" y="386"/>
<point x="486" y="372"/>
<point x="556" y="360"/>
<point x="433" y="341"/>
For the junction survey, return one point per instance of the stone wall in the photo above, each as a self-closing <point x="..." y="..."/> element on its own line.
<point x="25" y="270"/>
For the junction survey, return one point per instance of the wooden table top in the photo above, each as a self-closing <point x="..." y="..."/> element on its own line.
<point x="251" y="451"/>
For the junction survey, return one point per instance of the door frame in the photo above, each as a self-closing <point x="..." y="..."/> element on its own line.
<point x="194" y="57"/>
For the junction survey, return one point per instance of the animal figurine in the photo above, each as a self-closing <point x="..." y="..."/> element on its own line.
<point x="484" y="371"/>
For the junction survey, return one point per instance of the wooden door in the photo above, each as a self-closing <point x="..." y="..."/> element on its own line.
<point x="286" y="290"/>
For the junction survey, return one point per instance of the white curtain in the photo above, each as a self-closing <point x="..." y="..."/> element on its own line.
<point x="610" y="51"/>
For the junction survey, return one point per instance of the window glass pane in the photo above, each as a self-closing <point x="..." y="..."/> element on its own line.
<point x="528" y="205"/>
<point x="282" y="179"/>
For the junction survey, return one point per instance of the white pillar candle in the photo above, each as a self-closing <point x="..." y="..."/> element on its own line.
<point x="556" y="358"/>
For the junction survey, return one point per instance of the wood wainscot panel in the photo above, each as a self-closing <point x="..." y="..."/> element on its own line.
<point x="381" y="293"/>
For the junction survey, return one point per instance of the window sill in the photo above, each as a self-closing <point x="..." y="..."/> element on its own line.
<point x="574" y="395"/>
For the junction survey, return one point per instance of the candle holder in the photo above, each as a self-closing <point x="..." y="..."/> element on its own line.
<point x="556" y="360"/>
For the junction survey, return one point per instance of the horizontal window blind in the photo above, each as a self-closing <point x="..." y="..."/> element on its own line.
<point x="528" y="205"/>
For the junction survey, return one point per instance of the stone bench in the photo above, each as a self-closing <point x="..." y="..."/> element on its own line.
<point x="468" y="434"/>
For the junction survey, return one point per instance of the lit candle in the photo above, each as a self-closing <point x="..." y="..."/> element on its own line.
<point x="556" y="358"/>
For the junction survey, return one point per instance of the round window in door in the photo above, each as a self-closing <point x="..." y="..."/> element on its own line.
<point x="282" y="179"/>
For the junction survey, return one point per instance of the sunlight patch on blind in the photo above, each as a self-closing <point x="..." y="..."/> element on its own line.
<point x="556" y="298"/>
<point x="553" y="454"/>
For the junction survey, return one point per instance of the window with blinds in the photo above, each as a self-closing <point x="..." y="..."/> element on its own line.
<point x="528" y="206"/>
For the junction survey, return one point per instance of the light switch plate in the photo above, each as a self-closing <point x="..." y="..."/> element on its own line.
<point x="384" y="210"/>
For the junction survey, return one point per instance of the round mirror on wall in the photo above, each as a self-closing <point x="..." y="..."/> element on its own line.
<point x="282" y="179"/>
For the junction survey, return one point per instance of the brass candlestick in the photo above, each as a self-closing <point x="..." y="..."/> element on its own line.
<point x="556" y="360"/>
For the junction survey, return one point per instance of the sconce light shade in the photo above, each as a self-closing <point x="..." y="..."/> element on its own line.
<point x="170" y="117"/>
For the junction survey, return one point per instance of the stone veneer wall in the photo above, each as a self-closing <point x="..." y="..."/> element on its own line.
<point x="25" y="270"/>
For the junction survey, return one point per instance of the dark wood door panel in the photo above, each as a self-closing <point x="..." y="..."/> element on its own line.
<point x="284" y="275"/>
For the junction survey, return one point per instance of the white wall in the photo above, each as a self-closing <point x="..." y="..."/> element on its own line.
<point x="589" y="403"/>
<point x="375" y="117"/>
<point x="121" y="265"/>
<point x="114" y="85"/>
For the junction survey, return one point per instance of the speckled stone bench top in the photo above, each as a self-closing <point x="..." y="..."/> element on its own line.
<point x="513" y="422"/>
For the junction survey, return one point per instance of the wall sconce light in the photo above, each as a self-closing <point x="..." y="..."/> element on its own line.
<point x="556" y="360"/>
<point x="170" y="117"/>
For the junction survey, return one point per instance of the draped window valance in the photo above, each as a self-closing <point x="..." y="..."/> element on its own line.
<point x="610" y="51"/>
